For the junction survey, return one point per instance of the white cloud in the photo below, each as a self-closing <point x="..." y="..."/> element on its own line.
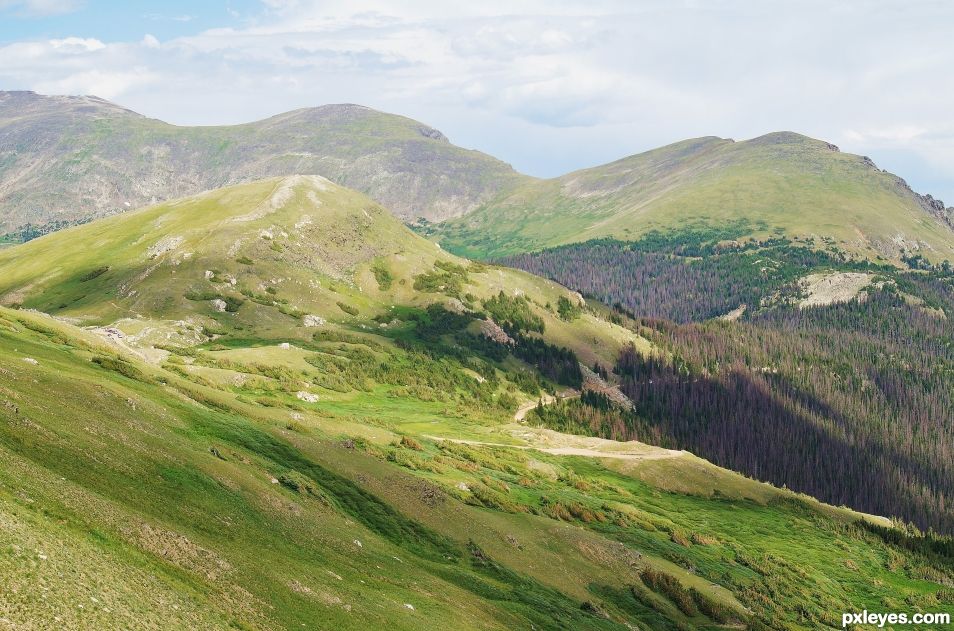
<point x="554" y="84"/>
<point x="77" y="45"/>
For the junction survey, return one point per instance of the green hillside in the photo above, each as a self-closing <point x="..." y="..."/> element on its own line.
<point x="273" y="406"/>
<point x="65" y="159"/>
<point x="778" y="184"/>
<point x="273" y="256"/>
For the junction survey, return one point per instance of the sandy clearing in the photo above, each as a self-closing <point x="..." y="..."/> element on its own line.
<point x="826" y="289"/>
<point x="559" y="444"/>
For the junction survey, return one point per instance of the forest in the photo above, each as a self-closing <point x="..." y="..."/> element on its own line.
<point x="851" y="402"/>
<point x="687" y="281"/>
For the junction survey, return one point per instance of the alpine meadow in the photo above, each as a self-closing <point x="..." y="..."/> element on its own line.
<point x="330" y="370"/>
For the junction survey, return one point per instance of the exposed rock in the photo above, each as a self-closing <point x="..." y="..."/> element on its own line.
<point x="312" y="320"/>
<point x="733" y="315"/>
<point x="218" y="304"/>
<point x="489" y="328"/>
<point x="165" y="244"/>
<point x="595" y="383"/>
<point x="430" y="132"/>
<point x="454" y="305"/>
<point x="307" y="397"/>
<point x="826" y="289"/>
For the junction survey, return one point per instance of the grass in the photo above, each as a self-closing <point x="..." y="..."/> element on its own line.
<point x="125" y="470"/>
<point x="780" y="184"/>
<point x="195" y="475"/>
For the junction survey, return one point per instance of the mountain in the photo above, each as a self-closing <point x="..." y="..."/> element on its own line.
<point x="274" y="406"/>
<point x="289" y="251"/>
<point x="780" y="184"/>
<point x="65" y="159"/>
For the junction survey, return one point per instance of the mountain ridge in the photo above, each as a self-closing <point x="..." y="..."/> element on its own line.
<point x="71" y="159"/>
<point x="779" y="183"/>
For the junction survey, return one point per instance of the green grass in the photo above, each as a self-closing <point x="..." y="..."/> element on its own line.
<point x="239" y="468"/>
<point x="780" y="184"/>
<point x="164" y="486"/>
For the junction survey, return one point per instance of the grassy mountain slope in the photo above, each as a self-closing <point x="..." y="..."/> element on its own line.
<point x="65" y="159"/>
<point x="778" y="184"/>
<point x="272" y="256"/>
<point x="152" y="496"/>
<point x="261" y="395"/>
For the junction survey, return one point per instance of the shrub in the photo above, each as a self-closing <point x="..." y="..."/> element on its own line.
<point x="244" y="260"/>
<point x="671" y="588"/>
<point x="201" y="295"/>
<point x="232" y="303"/>
<point x="383" y="275"/>
<point x="410" y="443"/>
<point x="678" y="537"/>
<point x="347" y="308"/>
<point x="513" y="314"/>
<point x="567" y="310"/>
<point x="90" y="275"/>
<point x="122" y="367"/>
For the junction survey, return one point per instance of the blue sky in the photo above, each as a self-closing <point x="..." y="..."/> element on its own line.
<point x="548" y="85"/>
<point x="118" y="21"/>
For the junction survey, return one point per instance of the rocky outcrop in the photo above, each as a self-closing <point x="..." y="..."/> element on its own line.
<point x="492" y="330"/>
<point x="593" y="382"/>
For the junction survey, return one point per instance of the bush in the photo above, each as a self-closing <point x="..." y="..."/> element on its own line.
<point x="90" y="275"/>
<point x="201" y="295"/>
<point x="567" y="310"/>
<point x="513" y="314"/>
<point x="410" y="443"/>
<point x="232" y="303"/>
<point x="383" y="275"/>
<point x="347" y="308"/>
<point x="671" y="588"/>
<point x="448" y="278"/>
<point x="122" y="367"/>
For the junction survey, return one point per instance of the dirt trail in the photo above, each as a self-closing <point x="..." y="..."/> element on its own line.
<point x="547" y="399"/>
<point x="559" y="444"/>
<point x="530" y="405"/>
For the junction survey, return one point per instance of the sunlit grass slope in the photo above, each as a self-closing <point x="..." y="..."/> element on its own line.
<point x="778" y="184"/>
<point x="276" y="256"/>
<point x="142" y="497"/>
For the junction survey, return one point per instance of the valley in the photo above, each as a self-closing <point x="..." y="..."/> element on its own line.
<point x="678" y="392"/>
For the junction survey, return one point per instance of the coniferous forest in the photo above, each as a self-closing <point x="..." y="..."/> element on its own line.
<point x="851" y="402"/>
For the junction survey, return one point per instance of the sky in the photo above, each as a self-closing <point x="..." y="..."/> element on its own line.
<point x="548" y="86"/>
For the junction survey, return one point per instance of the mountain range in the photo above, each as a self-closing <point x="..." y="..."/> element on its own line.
<point x="707" y="387"/>
<point x="65" y="160"/>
